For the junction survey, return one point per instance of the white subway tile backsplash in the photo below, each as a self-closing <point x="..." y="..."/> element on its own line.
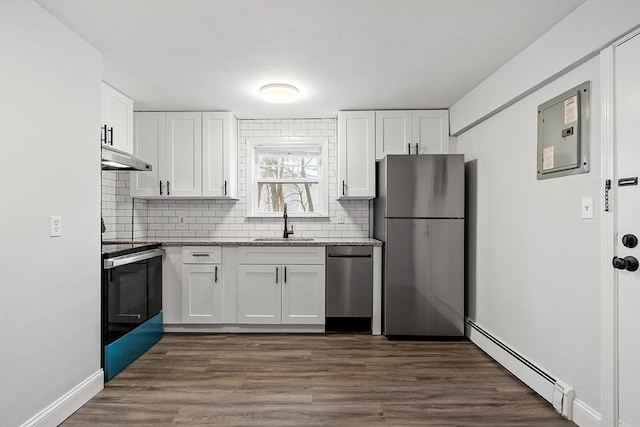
<point x="221" y="218"/>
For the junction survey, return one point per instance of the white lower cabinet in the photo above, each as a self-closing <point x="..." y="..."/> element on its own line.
<point x="202" y="287"/>
<point x="279" y="290"/>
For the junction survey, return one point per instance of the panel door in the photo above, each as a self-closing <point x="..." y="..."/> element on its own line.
<point x="149" y="145"/>
<point x="303" y="295"/>
<point x="118" y="116"/>
<point x="627" y="124"/>
<point x="219" y="155"/>
<point x="183" y="173"/>
<point x="424" y="277"/>
<point x="259" y="295"/>
<point x="202" y="293"/>
<point x="431" y="131"/>
<point x="356" y="155"/>
<point x="394" y="133"/>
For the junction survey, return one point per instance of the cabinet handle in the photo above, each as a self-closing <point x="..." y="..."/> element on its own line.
<point x="199" y="255"/>
<point x="103" y="134"/>
<point x="161" y="187"/>
<point x="168" y="188"/>
<point x="343" y="188"/>
<point x="216" y="274"/>
<point x="409" y="147"/>
<point x="276" y="275"/>
<point x="285" y="275"/>
<point x="225" y="187"/>
<point x="417" y="152"/>
<point x="111" y="132"/>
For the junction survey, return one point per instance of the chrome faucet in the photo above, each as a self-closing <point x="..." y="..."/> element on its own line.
<point x="286" y="230"/>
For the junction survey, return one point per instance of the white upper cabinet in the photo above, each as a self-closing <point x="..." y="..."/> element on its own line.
<point x="219" y="155"/>
<point x="193" y="154"/>
<point x="412" y="132"/>
<point x="183" y="155"/>
<point x="356" y="155"/>
<point x="117" y="119"/>
<point x="149" y="145"/>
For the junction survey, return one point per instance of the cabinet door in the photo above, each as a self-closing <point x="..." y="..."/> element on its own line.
<point x="394" y="133"/>
<point x="303" y="294"/>
<point x="183" y="151"/>
<point x="149" y="145"/>
<point x="219" y="155"/>
<point x="431" y="131"/>
<point x="172" y="285"/>
<point x="259" y="294"/>
<point x="118" y="116"/>
<point x="202" y="293"/>
<point x="356" y="155"/>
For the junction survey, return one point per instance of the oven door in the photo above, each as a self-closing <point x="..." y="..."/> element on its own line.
<point x="126" y="299"/>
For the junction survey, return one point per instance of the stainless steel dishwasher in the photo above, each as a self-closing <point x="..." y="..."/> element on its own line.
<point x="349" y="282"/>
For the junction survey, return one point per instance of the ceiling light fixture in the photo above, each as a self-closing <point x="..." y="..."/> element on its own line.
<point x="279" y="93"/>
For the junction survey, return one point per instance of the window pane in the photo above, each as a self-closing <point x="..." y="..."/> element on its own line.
<point x="300" y="198"/>
<point x="287" y="166"/>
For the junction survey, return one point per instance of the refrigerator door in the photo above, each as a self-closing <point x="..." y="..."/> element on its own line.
<point x="425" y="186"/>
<point x="424" y="277"/>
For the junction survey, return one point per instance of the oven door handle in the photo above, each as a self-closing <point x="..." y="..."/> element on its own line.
<point x="130" y="259"/>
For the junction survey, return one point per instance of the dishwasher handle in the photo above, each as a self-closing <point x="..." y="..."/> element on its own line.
<point x="349" y="256"/>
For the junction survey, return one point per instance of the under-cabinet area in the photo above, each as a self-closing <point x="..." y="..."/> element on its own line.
<point x="254" y="288"/>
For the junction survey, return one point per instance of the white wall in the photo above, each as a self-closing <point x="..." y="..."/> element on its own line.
<point x="49" y="165"/>
<point x="534" y="264"/>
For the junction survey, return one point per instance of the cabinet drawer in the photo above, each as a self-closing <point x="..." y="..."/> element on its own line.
<point x="202" y="255"/>
<point x="281" y="255"/>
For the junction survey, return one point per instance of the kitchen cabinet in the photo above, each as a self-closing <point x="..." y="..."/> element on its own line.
<point x="274" y="287"/>
<point x="356" y="155"/>
<point x="172" y="285"/>
<point x="219" y="155"/>
<point x="117" y="119"/>
<point x="202" y="287"/>
<point x="411" y="132"/>
<point x="194" y="155"/>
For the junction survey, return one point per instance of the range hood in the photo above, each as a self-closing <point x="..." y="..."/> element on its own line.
<point x="116" y="160"/>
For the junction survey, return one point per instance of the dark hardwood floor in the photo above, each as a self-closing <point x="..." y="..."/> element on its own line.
<point x="309" y="380"/>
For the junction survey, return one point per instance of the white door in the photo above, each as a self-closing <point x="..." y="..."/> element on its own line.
<point x="431" y="131"/>
<point x="183" y="173"/>
<point x="259" y="294"/>
<point x="149" y="145"/>
<point x="394" y="133"/>
<point x="627" y="128"/>
<point x="202" y="293"/>
<point x="303" y="294"/>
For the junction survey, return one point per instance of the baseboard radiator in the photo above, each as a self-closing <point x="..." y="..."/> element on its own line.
<point x="556" y="392"/>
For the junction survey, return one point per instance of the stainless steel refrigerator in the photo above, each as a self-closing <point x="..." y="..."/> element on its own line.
<point x="419" y="215"/>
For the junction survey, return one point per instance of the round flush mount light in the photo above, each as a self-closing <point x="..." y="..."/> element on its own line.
<point x="279" y="93"/>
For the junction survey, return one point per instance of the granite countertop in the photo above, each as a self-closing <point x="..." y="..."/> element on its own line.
<point x="251" y="241"/>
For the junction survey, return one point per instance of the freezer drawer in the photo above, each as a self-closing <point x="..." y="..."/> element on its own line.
<point x="424" y="277"/>
<point x="349" y="281"/>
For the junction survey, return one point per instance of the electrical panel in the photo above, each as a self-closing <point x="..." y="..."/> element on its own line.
<point x="563" y="134"/>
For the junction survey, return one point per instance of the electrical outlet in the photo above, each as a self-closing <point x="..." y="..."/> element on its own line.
<point x="341" y="219"/>
<point x="181" y="220"/>
<point x="55" y="226"/>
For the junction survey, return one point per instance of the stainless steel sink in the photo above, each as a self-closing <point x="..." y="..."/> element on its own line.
<point x="282" y="239"/>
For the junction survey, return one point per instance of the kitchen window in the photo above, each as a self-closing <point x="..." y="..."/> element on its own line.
<point x="291" y="172"/>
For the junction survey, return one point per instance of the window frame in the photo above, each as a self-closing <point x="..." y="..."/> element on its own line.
<point x="281" y="144"/>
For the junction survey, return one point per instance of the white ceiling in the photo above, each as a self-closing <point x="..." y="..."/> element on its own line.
<point x="342" y="54"/>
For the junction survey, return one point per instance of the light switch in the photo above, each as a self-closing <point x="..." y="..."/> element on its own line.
<point x="55" y="226"/>
<point x="587" y="207"/>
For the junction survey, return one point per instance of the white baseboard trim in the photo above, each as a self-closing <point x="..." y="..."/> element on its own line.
<point x="67" y="404"/>
<point x="532" y="375"/>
